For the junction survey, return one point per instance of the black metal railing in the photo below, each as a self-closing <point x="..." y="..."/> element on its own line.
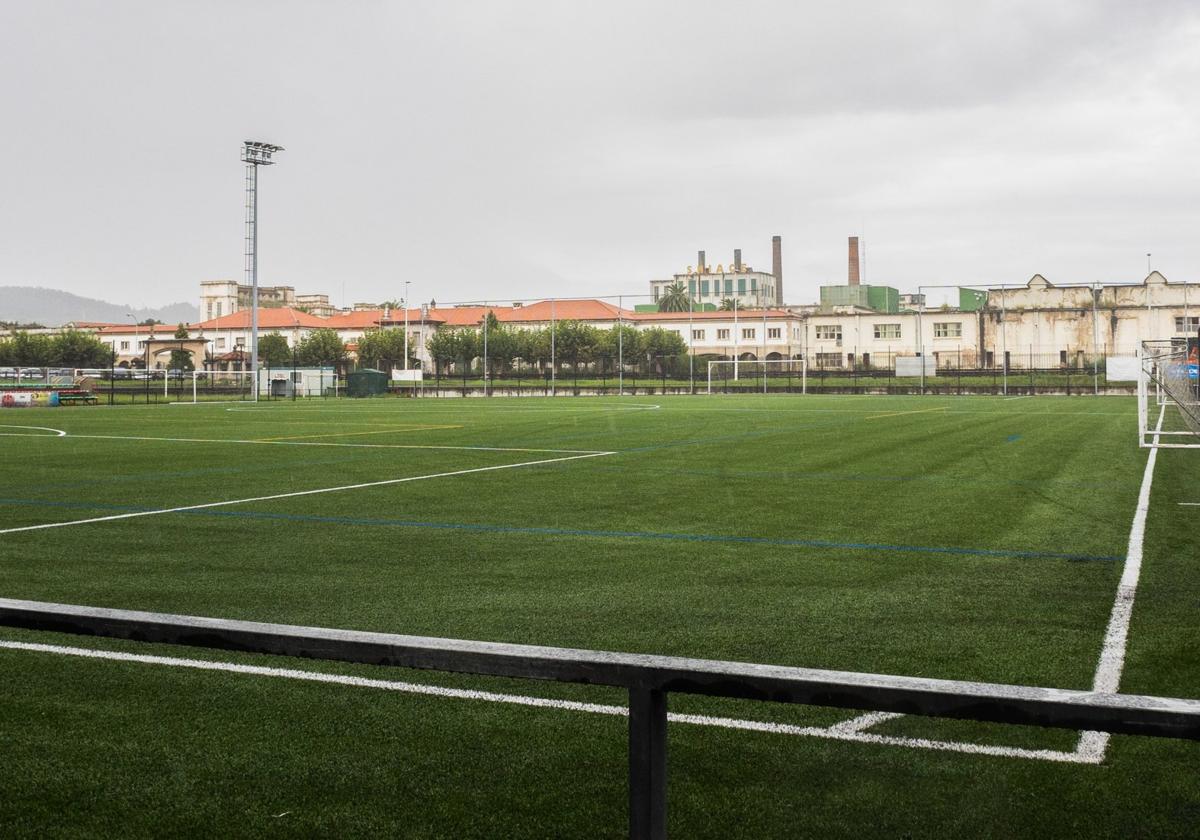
<point x="648" y="679"/>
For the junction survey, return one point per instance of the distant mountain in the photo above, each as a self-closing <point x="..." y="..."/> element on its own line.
<point x="52" y="308"/>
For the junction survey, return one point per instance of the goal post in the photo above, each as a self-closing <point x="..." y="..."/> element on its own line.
<point x="1168" y="370"/>
<point x="222" y="386"/>
<point x="747" y="376"/>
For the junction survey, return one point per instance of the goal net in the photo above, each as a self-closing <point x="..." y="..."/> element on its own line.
<point x="1170" y="368"/>
<point x="746" y="375"/>
<point x="222" y="386"/>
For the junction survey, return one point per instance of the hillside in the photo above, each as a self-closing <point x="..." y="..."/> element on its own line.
<point x="51" y="307"/>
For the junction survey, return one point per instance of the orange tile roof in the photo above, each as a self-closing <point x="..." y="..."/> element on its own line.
<point x="270" y="319"/>
<point x="357" y="319"/>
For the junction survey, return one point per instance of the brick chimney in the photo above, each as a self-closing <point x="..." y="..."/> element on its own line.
<point x="737" y="260"/>
<point x="854" y="276"/>
<point x="777" y="267"/>
<point x="700" y="263"/>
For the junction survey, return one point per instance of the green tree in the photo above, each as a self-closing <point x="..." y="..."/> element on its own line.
<point x="273" y="351"/>
<point x="182" y="359"/>
<point x="575" y="343"/>
<point x="75" y="349"/>
<point x="675" y="299"/>
<point x="321" y="347"/>
<point x="728" y="304"/>
<point x="29" y="350"/>
<point x="621" y="341"/>
<point x="441" y="347"/>
<point x="382" y="348"/>
<point x="662" y="347"/>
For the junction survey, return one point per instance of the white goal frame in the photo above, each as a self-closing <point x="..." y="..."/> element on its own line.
<point x="799" y="366"/>
<point x="243" y="377"/>
<point x="1152" y="357"/>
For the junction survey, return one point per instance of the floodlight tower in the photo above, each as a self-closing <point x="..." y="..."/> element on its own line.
<point x="254" y="155"/>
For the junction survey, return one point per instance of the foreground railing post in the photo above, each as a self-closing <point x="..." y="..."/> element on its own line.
<point x="647" y="764"/>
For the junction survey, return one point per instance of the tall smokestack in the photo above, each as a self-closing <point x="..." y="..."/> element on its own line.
<point x="854" y="276"/>
<point x="737" y="259"/>
<point x="777" y="267"/>
<point x="700" y="263"/>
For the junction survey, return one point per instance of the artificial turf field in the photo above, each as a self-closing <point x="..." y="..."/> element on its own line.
<point x="963" y="538"/>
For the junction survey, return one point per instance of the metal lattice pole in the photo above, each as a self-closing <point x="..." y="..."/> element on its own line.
<point x="254" y="155"/>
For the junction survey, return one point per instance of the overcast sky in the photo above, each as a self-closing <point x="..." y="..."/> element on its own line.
<point x="507" y="149"/>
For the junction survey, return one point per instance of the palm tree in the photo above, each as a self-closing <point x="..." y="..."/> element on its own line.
<point x="728" y="304"/>
<point x="675" y="299"/>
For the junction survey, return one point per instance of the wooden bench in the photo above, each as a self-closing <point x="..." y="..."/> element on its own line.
<point x="69" y="397"/>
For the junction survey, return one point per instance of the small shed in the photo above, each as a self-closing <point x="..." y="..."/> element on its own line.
<point x="366" y="382"/>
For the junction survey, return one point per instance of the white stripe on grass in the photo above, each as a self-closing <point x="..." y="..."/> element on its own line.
<point x="269" y="442"/>
<point x="226" y="503"/>
<point x="1093" y="745"/>
<point x="839" y="732"/>
<point x="57" y="432"/>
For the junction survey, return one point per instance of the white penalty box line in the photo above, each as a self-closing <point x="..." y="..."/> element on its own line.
<point x="298" y="493"/>
<point x="846" y="731"/>
<point x="1091" y="747"/>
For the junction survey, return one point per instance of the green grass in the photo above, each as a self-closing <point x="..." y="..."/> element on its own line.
<point x="963" y="538"/>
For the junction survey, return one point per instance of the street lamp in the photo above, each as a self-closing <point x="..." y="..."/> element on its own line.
<point x="405" y="302"/>
<point x="254" y="155"/>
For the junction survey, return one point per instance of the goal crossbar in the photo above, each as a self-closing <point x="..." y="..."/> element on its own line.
<point x="757" y="371"/>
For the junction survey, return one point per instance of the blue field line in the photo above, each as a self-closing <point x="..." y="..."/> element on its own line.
<point x="591" y="533"/>
<point x="800" y="475"/>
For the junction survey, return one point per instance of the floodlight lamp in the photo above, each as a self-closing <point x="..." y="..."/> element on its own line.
<point x="256" y="152"/>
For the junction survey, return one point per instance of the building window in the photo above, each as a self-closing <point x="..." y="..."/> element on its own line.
<point x="124" y="345"/>
<point x="887" y="330"/>
<point x="1187" y="324"/>
<point x="829" y="360"/>
<point x="829" y="332"/>
<point x="656" y="292"/>
<point x="220" y="344"/>
<point x="209" y="310"/>
<point x="728" y="285"/>
<point x="741" y="285"/>
<point x="697" y="335"/>
<point x="747" y="332"/>
<point x="692" y="288"/>
<point x="947" y="330"/>
<point x="754" y="285"/>
<point x="703" y="288"/>
<point x="722" y="335"/>
<point x="773" y="332"/>
<point x="218" y="309"/>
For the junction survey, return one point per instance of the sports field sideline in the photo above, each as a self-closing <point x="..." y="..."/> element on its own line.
<point x="961" y="538"/>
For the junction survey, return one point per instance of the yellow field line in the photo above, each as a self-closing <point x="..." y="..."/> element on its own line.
<point x="412" y="428"/>
<point x="898" y="413"/>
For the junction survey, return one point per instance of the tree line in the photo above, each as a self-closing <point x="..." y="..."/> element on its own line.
<point x="569" y="342"/>
<point x="68" y="349"/>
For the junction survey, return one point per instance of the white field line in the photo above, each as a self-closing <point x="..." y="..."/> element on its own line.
<point x="454" y="410"/>
<point x="1093" y="745"/>
<point x="838" y="733"/>
<point x="265" y="442"/>
<point x="385" y="482"/>
<point x="1190" y="504"/>
<point x="864" y="722"/>
<point x="57" y="432"/>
